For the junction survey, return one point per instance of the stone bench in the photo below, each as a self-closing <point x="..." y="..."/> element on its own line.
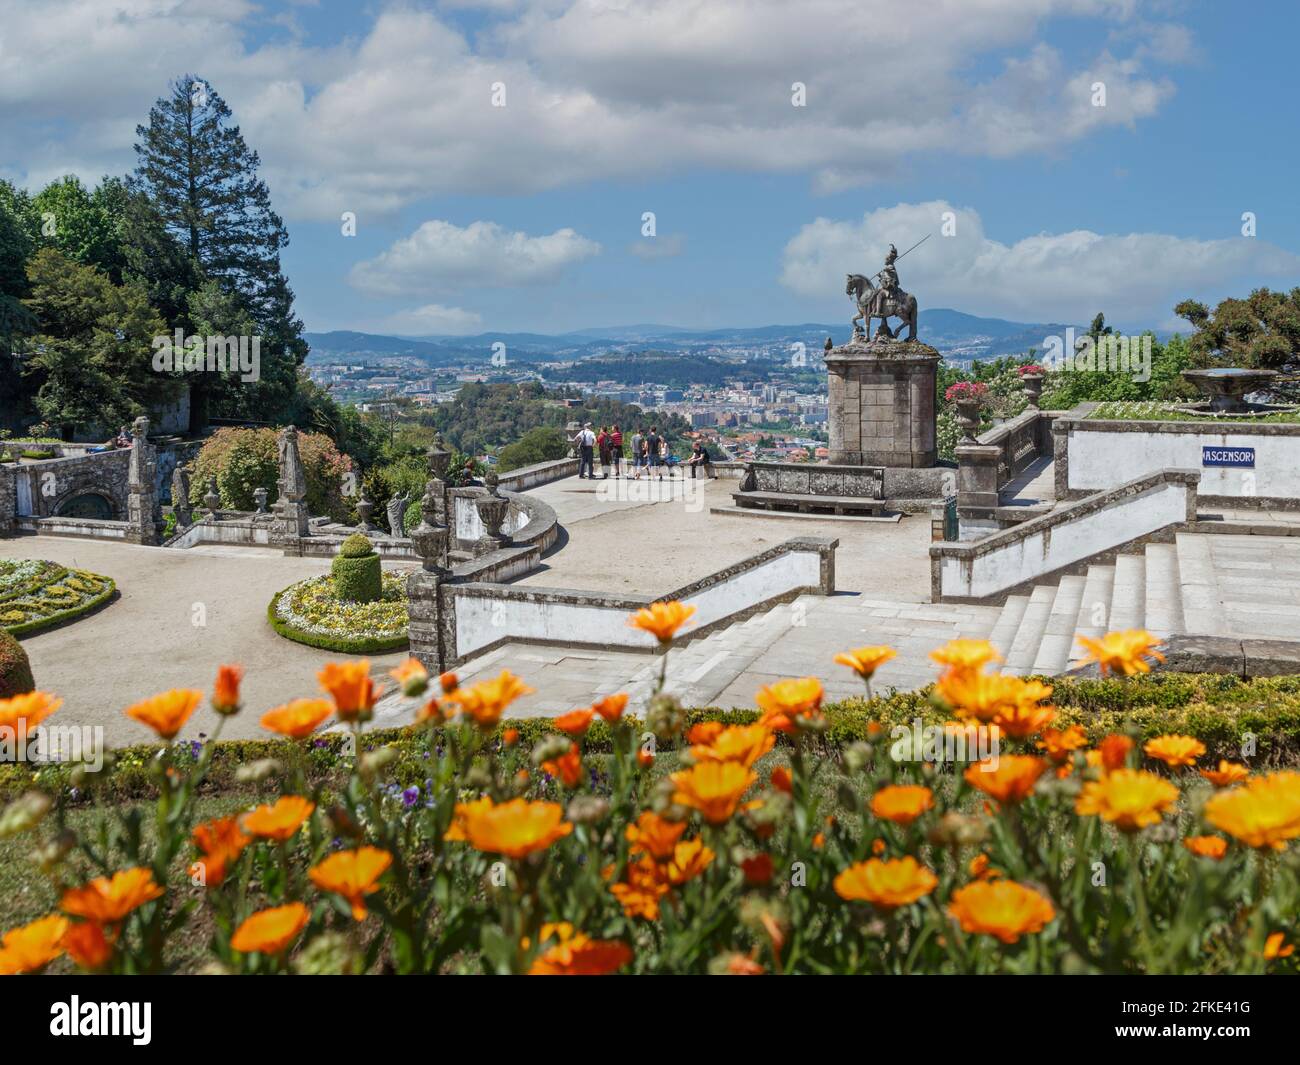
<point x="806" y="503"/>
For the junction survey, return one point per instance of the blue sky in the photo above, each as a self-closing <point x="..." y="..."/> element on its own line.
<point x="528" y="217"/>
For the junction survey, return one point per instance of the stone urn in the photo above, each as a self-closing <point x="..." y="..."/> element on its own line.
<point x="1225" y="386"/>
<point x="212" y="499"/>
<point x="493" y="509"/>
<point x="968" y="418"/>
<point x="429" y="538"/>
<point x="259" y="501"/>
<point x="364" y="509"/>
<point x="1033" y="383"/>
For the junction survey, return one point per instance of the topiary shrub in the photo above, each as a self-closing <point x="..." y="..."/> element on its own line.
<point x="15" y="670"/>
<point x="356" y="571"/>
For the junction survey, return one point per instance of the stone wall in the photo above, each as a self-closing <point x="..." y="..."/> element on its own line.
<point x="41" y="488"/>
<point x="881" y="403"/>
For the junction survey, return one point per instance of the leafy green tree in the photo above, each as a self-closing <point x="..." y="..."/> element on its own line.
<point x="544" y="443"/>
<point x="1261" y="331"/>
<point x="75" y="222"/>
<point x="92" y="353"/>
<point x="201" y="176"/>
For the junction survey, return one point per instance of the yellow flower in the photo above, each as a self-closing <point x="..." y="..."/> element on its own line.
<point x="1263" y="812"/>
<point x="902" y="803"/>
<point x="1175" y="751"/>
<point x="789" y="702"/>
<point x="984" y="696"/>
<point x="864" y="661"/>
<point x="1009" y="778"/>
<point x="1122" y="652"/>
<point x="1273" y="947"/>
<point x="886" y="884"/>
<point x="745" y="744"/>
<point x="661" y="620"/>
<point x="1130" y="799"/>
<point x="1023" y="719"/>
<point x="1227" y="773"/>
<point x="167" y="712"/>
<point x="513" y="829"/>
<point x="1000" y="908"/>
<point x="25" y="949"/>
<point x="487" y="700"/>
<point x="1207" y="846"/>
<point x="713" y="788"/>
<point x="690" y="858"/>
<point x="299" y="718"/>
<point x="966" y="655"/>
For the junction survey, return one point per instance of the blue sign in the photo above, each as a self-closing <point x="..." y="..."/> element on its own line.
<point x="1240" y="457"/>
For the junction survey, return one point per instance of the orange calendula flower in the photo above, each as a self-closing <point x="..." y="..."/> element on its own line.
<point x="220" y="841"/>
<point x="902" y="803"/>
<point x="1130" y="799"/>
<point x="644" y="887"/>
<point x="1227" y="774"/>
<point x="966" y="655"/>
<point x="704" y="733"/>
<point x="980" y="869"/>
<point x="655" y="836"/>
<point x="1122" y="652"/>
<point x="1023" y="719"/>
<point x="297" y="719"/>
<point x="713" y="788"/>
<point x="690" y="858"/>
<point x="1263" y="813"/>
<point x="1009" y="778"/>
<point x="167" y="712"/>
<point x="1175" y="751"/>
<point x="985" y="696"/>
<point x="1114" y="751"/>
<point x="88" y="945"/>
<point x="645" y="759"/>
<point x="22" y="713"/>
<point x="661" y="620"/>
<point x="225" y="693"/>
<point x="1000" y="908"/>
<point x="485" y="701"/>
<point x="1273" y="947"/>
<point x="1207" y="846"/>
<point x="412" y="677"/>
<point x="576" y="722"/>
<point x="350" y="686"/>
<point x="758" y="869"/>
<point x="864" y="661"/>
<point x="353" y="875"/>
<point x="577" y="954"/>
<point x="782" y="780"/>
<point x="743" y="965"/>
<point x="745" y="744"/>
<point x="33" y="946"/>
<point x="456" y="830"/>
<point x="789" y="702"/>
<point x="280" y="820"/>
<point x="568" y="767"/>
<point x="510" y="737"/>
<point x="513" y="829"/>
<point x="109" y="899"/>
<point x="1060" y="744"/>
<point x="885" y="884"/>
<point x="270" y="931"/>
<point x="611" y="707"/>
<point x="448" y="682"/>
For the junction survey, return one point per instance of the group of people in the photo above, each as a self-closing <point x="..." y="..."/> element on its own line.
<point x="650" y="453"/>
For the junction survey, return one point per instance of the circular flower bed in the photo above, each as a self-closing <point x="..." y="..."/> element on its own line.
<point x="36" y="593"/>
<point x="312" y="612"/>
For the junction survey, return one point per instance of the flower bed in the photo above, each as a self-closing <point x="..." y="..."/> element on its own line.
<point x="752" y="851"/>
<point x="311" y="612"/>
<point x="1158" y="411"/>
<point x="36" y="594"/>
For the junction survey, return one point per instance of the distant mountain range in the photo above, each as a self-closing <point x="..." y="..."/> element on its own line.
<point x="960" y="337"/>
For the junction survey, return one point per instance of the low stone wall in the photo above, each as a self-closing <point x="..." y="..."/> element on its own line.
<point x="40" y="489"/>
<point x="235" y="528"/>
<point x="89" y="528"/>
<point x="477" y="616"/>
<point x="1094" y="454"/>
<point x="985" y="467"/>
<point x="528" y="522"/>
<point x="539" y="473"/>
<point x="812" y="478"/>
<point x="1146" y="509"/>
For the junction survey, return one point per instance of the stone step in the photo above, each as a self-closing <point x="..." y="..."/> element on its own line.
<point x="1202" y="611"/>
<point x="1029" y="633"/>
<point x="1094" y="608"/>
<point x="1164" y="601"/>
<point x="1008" y="621"/>
<point x="1054" y="647"/>
<point x="1128" y="594"/>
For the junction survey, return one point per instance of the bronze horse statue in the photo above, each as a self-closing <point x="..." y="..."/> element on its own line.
<point x="873" y="303"/>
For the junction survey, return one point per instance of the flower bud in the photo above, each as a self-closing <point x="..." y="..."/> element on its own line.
<point x="587" y="810"/>
<point x="665" y="717"/>
<point x="256" y="772"/>
<point x="329" y="954"/>
<point x="857" y="756"/>
<point x="550" y="748"/>
<point x="24" y="813"/>
<point x="372" y="763"/>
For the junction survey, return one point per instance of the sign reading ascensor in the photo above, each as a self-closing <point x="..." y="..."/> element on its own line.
<point x="1228" y="456"/>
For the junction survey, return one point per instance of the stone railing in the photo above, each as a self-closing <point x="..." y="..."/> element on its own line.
<point x="88" y="528"/>
<point x="476" y="616"/>
<point x="539" y="473"/>
<point x="529" y="521"/>
<point x="1150" y="508"/>
<point x="985" y="467"/>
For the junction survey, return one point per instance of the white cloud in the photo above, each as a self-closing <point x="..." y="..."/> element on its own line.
<point x="595" y="89"/>
<point x="440" y="257"/>
<point x="1050" y="277"/>
<point x="434" y="319"/>
<point x="650" y="249"/>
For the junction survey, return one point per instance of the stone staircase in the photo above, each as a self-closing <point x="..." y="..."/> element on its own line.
<point x="1036" y="632"/>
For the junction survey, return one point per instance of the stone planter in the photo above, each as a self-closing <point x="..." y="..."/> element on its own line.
<point x="1033" y="383"/>
<point x="968" y="417"/>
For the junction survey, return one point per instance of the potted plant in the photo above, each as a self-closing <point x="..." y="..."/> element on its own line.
<point x="1031" y="376"/>
<point x="969" y="397"/>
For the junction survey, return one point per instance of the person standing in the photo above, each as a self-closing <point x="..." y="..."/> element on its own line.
<point x="586" y="452"/>
<point x="637" y="444"/>
<point x="652" y="442"/>
<point x="602" y="445"/>
<point x="616" y="447"/>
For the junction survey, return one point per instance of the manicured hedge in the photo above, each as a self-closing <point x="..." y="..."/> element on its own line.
<point x="1219" y="710"/>
<point x="360" y="645"/>
<point x="15" y="669"/>
<point x="62" y="617"/>
<point x="357" y="580"/>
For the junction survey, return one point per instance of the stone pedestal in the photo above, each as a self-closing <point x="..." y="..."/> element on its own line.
<point x="882" y="404"/>
<point x="143" y="510"/>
